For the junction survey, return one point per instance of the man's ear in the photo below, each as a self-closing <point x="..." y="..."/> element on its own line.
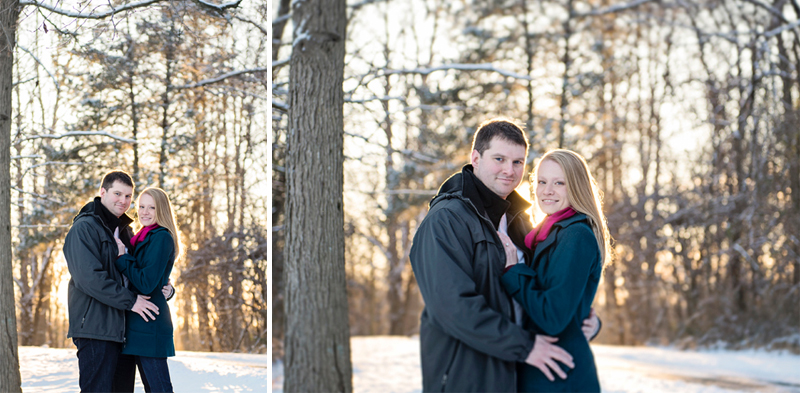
<point x="102" y="191"/>
<point x="474" y="158"/>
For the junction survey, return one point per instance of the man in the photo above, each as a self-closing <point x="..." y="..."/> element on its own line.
<point x="97" y="296"/>
<point x="470" y="333"/>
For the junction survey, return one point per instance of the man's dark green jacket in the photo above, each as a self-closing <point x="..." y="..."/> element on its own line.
<point x="97" y="298"/>
<point x="468" y="340"/>
<point x="148" y="269"/>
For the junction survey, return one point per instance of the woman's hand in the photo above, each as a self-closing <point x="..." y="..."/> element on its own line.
<point x="120" y="245"/>
<point x="510" y="248"/>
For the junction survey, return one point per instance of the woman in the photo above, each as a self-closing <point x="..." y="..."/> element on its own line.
<point x="557" y="287"/>
<point x="155" y="247"/>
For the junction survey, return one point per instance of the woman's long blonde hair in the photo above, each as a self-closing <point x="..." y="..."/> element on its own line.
<point x="583" y="195"/>
<point x="165" y="215"/>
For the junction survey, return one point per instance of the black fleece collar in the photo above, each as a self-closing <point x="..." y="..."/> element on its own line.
<point x="108" y="218"/>
<point x="112" y="221"/>
<point x="488" y="203"/>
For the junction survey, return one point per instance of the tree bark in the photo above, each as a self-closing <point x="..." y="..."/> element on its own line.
<point x="10" y="380"/>
<point x="317" y="333"/>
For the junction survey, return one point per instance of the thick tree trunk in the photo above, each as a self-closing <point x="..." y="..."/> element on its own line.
<point x="9" y="373"/>
<point x="317" y="333"/>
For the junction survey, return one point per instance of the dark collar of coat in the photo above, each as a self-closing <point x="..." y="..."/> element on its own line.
<point x="489" y="204"/>
<point x="551" y="237"/>
<point x="96" y="209"/>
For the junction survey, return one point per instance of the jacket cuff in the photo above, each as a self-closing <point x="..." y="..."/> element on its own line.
<point x="599" y="327"/>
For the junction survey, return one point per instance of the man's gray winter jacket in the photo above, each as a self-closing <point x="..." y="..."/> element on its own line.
<point x="469" y="342"/>
<point x="97" y="297"/>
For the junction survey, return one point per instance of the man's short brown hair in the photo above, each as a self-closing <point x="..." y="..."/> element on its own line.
<point x="501" y="128"/>
<point x="120" y="176"/>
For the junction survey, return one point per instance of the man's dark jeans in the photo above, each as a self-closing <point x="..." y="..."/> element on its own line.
<point x="154" y="373"/>
<point x="97" y="362"/>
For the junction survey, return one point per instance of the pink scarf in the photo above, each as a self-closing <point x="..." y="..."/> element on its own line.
<point x="538" y="234"/>
<point x="139" y="236"/>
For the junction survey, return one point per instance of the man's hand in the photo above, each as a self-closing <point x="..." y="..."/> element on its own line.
<point x="545" y="354"/>
<point x="167" y="289"/>
<point x="590" y="325"/>
<point x="145" y="308"/>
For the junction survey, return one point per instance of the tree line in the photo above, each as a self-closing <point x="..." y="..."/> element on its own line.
<point x="686" y="112"/>
<point x="171" y="92"/>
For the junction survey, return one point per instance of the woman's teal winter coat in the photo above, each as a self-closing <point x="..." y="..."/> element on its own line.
<point x="148" y="270"/>
<point x="556" y="291"/>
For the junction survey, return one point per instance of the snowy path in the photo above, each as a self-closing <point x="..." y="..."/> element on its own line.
<point x="391" y="364"/>
<point x="56" y="370"/>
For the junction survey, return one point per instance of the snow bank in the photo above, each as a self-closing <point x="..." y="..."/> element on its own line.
<point x="56" y="370"/>
<point x="391" y="364"/>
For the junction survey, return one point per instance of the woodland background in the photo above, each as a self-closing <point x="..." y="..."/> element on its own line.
<point x="687" y="112"/>
<point x="172" y="92"/>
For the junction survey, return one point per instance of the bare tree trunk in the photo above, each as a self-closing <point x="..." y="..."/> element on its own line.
<point x="277" y="27"/>
<point x="10" y="380"/>
<point x="565" y="80"/>
<point x="41" y="311"/>
<point x="134" y="110"/>
<point x="529" y="54"/>
<point x="317" y="333"/>
<point x="166" y="103"/>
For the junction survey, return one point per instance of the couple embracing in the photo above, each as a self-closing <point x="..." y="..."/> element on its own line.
<point x="118" y="314"/>
<point x="507" y="305"/>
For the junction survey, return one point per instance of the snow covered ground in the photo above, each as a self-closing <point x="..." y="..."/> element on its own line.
<point x="391" y="364"/>
<point x="56" y="370"/>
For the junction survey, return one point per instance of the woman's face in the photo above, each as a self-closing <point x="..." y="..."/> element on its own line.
<point x="147" y="210"/>
<point x="551" y="187"/>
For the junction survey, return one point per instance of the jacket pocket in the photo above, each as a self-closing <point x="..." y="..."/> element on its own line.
<point x="85" y="313"/>
<point x="449" y="366"/>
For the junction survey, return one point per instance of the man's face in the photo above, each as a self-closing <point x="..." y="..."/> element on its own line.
<point x="116" y="199"/>
<point x="500" y="167"/>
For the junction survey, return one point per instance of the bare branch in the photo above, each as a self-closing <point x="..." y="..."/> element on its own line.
<point x="92" y="14"/>
<point x="402" y="192"/>
<point x="279" y="63"/>
<point x="25" y="172"/>
<point x="370" y="99"/>
<point x="282" y="18"/>
<point x="55" y="81"/>
<point x="122" y="8"/>
<point x="254" y="23"/>
<point x="221" y="8"/>
<point x="79" y="133"/>
<point x="613" y="8"/>
<point x="220" y="78"/>
<point x="39" y="196"/>
<point x="460" y="67"/>
<point x="280" y="105"/>
<point x="782" y="28"/>
<point x="769" y="8"/>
